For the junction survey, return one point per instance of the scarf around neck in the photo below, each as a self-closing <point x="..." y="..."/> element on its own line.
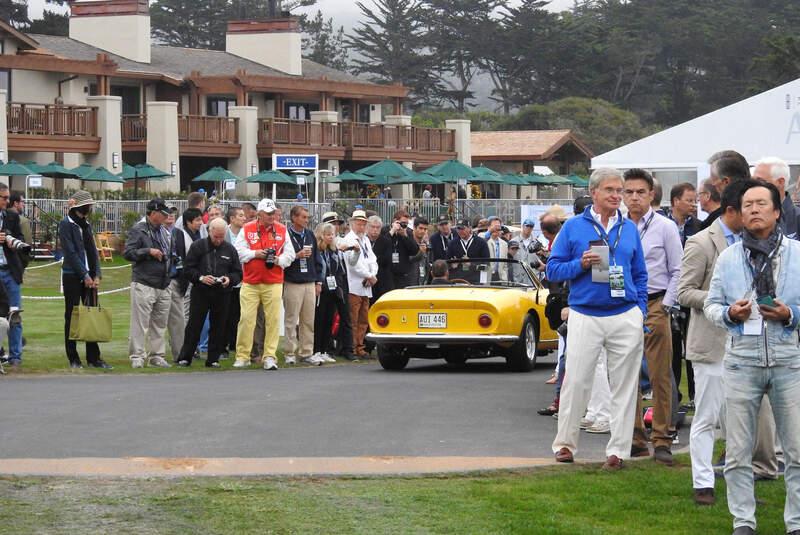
<point x="761" y="253"/>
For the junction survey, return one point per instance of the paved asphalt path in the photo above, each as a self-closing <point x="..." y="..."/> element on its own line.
<point x="429" y="409"/>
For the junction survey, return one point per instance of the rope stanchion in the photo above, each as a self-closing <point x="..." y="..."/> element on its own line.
<point x="59" y="297"/>
<point x="115" y="267"/>
<point x="43" y="266"/>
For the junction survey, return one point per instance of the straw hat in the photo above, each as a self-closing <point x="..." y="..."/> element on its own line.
<point x="359" y="215"/>
<point x="558" y="212"/>
<point x="81" y="198"/>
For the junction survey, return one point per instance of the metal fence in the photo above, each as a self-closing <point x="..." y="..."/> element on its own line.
<point x="509" y="210"/>
<point x="46" y="213"/>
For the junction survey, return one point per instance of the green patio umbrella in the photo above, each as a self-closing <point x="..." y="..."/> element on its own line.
<point x="385" y="168"/>
<point x="217" y="174"/>
<point x="538" y="180"/>
<point x="82" y="170"/>
<point x="451" y="170"/>
<point x="273" y="176"/>
<point x="381" y="180"/>
<point x="556" y="180"/>
<point x="55" y="170"/>
<point x="488" y="177"/>
<point x="483" y="170"/>
<point x="143" y="171"/>
<point x="346" y="176"/>
<point x="14" y="168"/>
<point x="577" y="181"/>
<point x="514" y="180"/>
<point x="101" y="174"/>
<point x="418" y="178"/>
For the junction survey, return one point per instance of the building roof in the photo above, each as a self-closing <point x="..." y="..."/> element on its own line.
<point x="767" y="124"/>
<point x="177" y="63"/>
<point x="523" y="144"/>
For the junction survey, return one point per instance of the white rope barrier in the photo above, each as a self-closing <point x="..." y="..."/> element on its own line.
<point x="61" y="261"/>
<point x="59" y="297"/>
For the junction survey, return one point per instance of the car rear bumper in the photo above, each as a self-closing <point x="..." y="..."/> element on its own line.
<point x="443" y="338"/>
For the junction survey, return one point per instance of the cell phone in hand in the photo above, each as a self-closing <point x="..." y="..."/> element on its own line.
<point x="766" y="300"/>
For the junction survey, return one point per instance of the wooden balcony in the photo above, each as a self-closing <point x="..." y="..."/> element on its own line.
<point x="201" y="135"/>
<point x="134" y="132"/>
<point x="355" y="141"/>
<point x="52" y="128"/>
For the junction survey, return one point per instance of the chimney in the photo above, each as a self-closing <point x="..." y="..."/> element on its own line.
<point x="271" y="42"/>
<point x="119" y="26"/>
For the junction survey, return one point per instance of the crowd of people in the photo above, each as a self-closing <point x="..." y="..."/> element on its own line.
<point x="633" y="296"/>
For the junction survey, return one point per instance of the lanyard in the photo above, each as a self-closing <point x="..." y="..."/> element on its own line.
<point x="466" y="247"/>
<point x="445" y="241"/>
<point x="363" y="247"/>
<point x="647" y="226"/>
<point x="293" y="233"/>
<point x="605" y="240"/>
<point x="497" y="248"/>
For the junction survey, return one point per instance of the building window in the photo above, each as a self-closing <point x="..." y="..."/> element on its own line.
<point x="130" y="95"/>
<point x="5" y="82"/>
<point x="300" y="111"/>
<point x="363" y="113"/>
<point x="218" y="106"/>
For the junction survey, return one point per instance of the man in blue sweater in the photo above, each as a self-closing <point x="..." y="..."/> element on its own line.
<point x="601" y="255"/>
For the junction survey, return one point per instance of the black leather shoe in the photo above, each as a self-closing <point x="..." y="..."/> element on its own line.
<point x="212" y="365"/>
<point x="76" y="365"/>
<point x="548" y="411"/>
<point x="183" y="363"/>
<point x="100" y="364"/>
<point x="744" y="530"/>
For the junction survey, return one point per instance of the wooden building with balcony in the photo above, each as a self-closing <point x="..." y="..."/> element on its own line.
<point x="107" y="94"/>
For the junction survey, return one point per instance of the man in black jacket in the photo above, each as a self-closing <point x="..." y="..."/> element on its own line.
<point x="150" y="249"/>
<point x="441" y="239"/>
<point x="467" y="245"/>
<point x="212" y="266"/>
<point x="11" y="270"/>
<point x="404" y="247"/>
<point x="382" y="247"/>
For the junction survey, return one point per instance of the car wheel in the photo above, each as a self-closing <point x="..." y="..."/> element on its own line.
<point x="454" y="356"/>
<point x="522" y="355"/>
<point x="392" y="358"/>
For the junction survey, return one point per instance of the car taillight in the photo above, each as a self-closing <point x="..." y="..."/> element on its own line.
<point x="382" y="320"/>
<point x="485" y="320"/>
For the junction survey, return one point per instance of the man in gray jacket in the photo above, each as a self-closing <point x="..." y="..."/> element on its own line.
<point x="150" y="250"/>
<point x="705" y="343"/>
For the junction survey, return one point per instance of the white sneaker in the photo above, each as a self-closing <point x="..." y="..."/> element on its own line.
<point x="137" y="362"/>
<point x="158" y="362"/>
<point x="241" y="364"/>
<point x="313" y="360"/>
<point x="586" y="423"/>
<point x="600" y="428"/>
<point x="270" y="364"/>
<point x="324" y="357"/>
<point x="290" y="361"/>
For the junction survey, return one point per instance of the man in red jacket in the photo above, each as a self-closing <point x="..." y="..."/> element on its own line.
<point x="262" y="249"/>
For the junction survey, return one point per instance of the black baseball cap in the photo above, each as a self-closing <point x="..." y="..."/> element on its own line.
<point x="463" y="223"/>
<point x="158" y="205"/>
<point x="442" y="219"/>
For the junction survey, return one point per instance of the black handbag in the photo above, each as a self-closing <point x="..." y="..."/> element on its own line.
<point x="556" y="302"/>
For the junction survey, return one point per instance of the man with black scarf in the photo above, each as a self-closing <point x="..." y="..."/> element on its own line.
<point x="80" y="273"/>
<point x="755" y="297"/>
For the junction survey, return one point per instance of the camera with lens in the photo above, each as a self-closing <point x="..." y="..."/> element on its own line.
<point x="17" y="244"/>
<point x="176" y="261"/>
<point x="269" y="260"/>
<point x="403" y="225"/>
<point x="218" y="281"/>
<point x="534" y="247"/>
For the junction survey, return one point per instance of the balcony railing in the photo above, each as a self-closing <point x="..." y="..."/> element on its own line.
<point x="354" y="135"/>
<point x="134" y="128"/>
<point x="206" y="129"/>
<point x="296" y="132"/>
<point x="51" y="120"/>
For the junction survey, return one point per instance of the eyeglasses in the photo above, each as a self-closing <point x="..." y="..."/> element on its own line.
<point x="612" y="191"/>
<point x="4" y="197"/>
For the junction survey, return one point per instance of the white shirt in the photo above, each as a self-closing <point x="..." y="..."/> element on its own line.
<point x="361" y="264"/>
<point x="611" y="220"/>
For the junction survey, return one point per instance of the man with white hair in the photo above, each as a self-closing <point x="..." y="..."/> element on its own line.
<point x="776" y="172"/>
<point x="212" y="266"/>
<point x="262" y="249"/>
<point x="601" y="254"/>
<point x="362" y="271"/>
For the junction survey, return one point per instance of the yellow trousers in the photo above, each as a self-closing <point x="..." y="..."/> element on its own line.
<point x="252" y="296"/>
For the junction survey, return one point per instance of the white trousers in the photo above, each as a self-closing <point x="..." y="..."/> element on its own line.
<point x="600" y="402"/>
<point x="622" y="336"/>
<point x="709" y="399"/>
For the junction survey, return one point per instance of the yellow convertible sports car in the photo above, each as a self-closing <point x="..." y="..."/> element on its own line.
<point x="483" y="308"/>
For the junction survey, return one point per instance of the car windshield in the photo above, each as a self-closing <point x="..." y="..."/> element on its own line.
<point x="487" y="272"/>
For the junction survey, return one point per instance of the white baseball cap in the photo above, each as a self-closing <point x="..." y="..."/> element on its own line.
<point x="266" y="205"/>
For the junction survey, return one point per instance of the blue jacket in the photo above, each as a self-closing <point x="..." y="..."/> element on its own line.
<point x="75" y="253"/>
<point x="778" y="344"/>
<point x="594" y="298"/>
<point x="313" y="263"/>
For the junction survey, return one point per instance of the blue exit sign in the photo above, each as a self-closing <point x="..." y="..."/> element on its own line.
<point x="294" y="161"/>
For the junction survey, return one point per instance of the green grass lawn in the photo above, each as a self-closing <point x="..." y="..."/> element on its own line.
<point x="642" y="499"/>
<point x="43" y="325"/>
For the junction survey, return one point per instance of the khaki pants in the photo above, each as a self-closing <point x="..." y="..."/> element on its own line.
<point x="251" y="298"/>
<point x="176" y="322"/>
<point x="658" y="351"/>
<point x="149" y="311"/>
<point x="359" y="317"/>
<point x="299" y="305"/>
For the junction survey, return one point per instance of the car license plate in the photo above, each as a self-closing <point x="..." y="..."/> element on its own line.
<point x="429" y="320"/>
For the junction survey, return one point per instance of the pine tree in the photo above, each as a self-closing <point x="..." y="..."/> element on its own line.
<point x="323" y="44"/>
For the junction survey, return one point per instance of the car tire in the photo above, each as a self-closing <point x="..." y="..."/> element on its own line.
<point x="522" y="355"/>
<point x="392" y="358"/>
<point x="454" y="356"/>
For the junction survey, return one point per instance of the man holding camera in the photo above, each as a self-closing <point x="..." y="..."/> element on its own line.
<point x="264" y="254"/>
<point x="403" y="248"/>
<point x="150" y="249"/>
<point x="212" y="266"/>
<point x="420" y="262"/>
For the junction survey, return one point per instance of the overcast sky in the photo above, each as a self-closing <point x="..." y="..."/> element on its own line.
<point x="344" y="12"/>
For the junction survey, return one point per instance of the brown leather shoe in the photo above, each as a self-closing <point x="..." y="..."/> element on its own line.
<point x="613" y="463"/>
<point x="636" y="451"/>
<point x="704" y="496"/>
<point x="564" y="456"/>
<point x="662" y="455"/>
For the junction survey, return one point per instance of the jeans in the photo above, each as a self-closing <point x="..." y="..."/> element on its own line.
<point x="15" y="331"/>
<point x="744" y="387"/>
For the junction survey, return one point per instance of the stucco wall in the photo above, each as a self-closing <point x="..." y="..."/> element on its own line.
<point x="279" y="50"/>
<point x="127" y="35"/>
